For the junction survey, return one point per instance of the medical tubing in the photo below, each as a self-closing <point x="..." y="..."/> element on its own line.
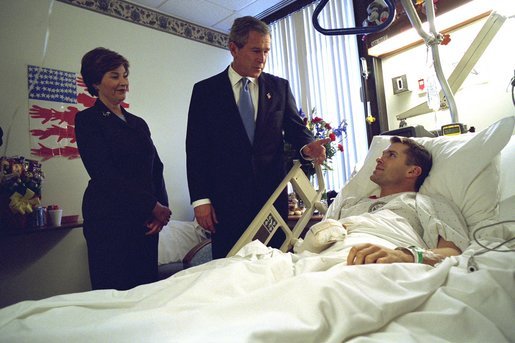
<point x="430" y="12"/>
<point x="474" y="234"/>
<point x="472" y="265"/>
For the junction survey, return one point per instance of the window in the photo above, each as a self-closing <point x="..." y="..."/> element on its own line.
<point x="324" y="73"/>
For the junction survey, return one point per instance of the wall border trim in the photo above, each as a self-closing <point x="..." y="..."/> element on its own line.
<point x="146" y="17"/>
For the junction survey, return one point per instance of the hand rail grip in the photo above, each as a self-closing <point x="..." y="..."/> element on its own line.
<point x="353" y="30"/>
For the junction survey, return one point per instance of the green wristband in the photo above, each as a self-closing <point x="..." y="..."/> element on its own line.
<point x="418" y="254"/>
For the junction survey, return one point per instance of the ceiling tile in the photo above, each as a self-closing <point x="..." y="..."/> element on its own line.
<point x="149" y="3"/>
<point x="197" y="11"/>
<point x="233" y="5"/>
<point x="217" y="15"/>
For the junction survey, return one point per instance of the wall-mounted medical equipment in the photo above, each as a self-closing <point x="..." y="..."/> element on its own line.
<point x="453" y="129"/>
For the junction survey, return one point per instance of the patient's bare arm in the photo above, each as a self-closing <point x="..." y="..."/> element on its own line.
<point x="371" y="253"/>
<point x="444" y="249"/>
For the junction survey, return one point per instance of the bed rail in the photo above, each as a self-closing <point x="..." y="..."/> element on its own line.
<point x="268" y="221"/>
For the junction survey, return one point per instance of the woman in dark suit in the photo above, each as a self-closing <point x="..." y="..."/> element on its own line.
<point x="125" y="204"/>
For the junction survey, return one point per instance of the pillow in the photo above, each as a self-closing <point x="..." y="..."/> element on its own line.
<point x="465" y="170"/>
<point x="507" y="164"/>
<point x="176" y="239"/>
<point x="507" y="186"/>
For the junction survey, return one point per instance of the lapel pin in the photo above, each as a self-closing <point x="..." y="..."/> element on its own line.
<point x="269" y="96"/>
<point x="105" y="114"/>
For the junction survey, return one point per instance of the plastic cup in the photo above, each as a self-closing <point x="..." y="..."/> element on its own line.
<point x="54" y="217"/>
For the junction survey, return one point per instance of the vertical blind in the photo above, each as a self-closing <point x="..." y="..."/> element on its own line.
<point x="324" y="73"/>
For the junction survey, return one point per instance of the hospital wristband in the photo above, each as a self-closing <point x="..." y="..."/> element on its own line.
<point x="418" y="254"/>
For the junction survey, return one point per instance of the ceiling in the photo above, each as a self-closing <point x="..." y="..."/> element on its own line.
<point x="216" y="15"/>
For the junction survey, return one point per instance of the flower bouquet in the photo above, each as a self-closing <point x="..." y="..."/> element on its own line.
<point x="20" y="189"/>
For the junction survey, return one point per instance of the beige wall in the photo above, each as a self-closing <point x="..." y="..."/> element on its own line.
<point x="164" y="68"/>
<point x="485" y="96"/>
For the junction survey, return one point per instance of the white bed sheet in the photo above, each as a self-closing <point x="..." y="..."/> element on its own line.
<point x="264" y="295"/>
<point x="268" y="296"/>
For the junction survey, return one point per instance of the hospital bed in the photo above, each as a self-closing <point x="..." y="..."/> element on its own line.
<point x="185" y="244"/>
<point x="265" y="295"/>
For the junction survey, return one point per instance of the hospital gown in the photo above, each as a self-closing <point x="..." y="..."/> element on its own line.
<point x="402" y="219"/>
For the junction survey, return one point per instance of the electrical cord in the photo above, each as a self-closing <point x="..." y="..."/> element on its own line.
<point x="471" y="264"/>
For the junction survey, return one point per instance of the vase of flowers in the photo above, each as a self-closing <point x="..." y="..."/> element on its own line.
<point x="20" y="190"/>
<point x="321" y="130"/>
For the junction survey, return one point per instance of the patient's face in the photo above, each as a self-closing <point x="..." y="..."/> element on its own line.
<point x="391" y="168"/>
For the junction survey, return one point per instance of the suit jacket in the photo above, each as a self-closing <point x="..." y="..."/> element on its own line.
<point x="223" y="165"/>
<point x="122" y="162"/>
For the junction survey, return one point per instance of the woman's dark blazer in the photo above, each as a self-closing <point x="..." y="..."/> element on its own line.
<point x="122" y="162"/>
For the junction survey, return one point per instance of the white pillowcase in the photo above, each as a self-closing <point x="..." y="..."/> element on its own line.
<point x="465" y="170"/>
<point x="176" y="239"/>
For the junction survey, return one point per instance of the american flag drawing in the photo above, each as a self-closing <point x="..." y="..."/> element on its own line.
<point x="55" y="97"/>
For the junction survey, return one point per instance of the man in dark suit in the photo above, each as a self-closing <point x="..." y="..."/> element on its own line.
<point x="233" y="167"/>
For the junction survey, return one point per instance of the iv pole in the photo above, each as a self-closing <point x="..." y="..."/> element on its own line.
<point x="432" y="39"/>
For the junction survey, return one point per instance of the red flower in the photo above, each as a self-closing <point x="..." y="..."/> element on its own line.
<point x="328" y="126"/>
<point x="316" y="120"/>
<point x="340" y="147"/>
<point x="332" y="136"/>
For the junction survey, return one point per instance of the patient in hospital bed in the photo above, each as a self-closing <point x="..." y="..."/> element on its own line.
<point x="398" y="224"/>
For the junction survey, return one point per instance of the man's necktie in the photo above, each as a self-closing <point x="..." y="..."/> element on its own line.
<point x="247" y="109"/>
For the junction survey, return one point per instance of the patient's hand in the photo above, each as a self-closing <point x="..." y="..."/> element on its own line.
<point x="206" y="217"/>
<point x="370" y="253"/>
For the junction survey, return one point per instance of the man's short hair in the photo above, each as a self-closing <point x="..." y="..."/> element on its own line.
<point x="241" y="28"/>
<point x="416" y="155"/>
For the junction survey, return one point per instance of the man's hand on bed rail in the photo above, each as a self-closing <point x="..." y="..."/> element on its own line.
<point x="316" y="150"/>
<point x="206" y="217"/>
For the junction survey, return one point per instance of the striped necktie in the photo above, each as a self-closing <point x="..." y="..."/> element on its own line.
<point x="247" y="109"/>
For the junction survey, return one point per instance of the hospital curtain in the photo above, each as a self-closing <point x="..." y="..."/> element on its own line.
<point x="324" y="73"/>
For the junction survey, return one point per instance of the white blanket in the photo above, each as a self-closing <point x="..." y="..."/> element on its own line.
<point x="264" y="295"/>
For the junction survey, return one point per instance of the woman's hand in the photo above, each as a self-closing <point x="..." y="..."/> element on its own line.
<point x="161" y="213"/>
<point x="154" y="227"/>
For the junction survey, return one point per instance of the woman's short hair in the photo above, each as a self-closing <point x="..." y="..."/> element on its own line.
<point x="241" y="28"/>
<point x="417" y="155"/>
<point x="96" y="63"/>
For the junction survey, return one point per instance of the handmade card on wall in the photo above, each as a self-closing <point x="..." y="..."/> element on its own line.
<point x="55" y="97"/>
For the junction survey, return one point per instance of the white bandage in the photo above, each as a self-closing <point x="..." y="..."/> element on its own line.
<point x="321" y="236"/>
